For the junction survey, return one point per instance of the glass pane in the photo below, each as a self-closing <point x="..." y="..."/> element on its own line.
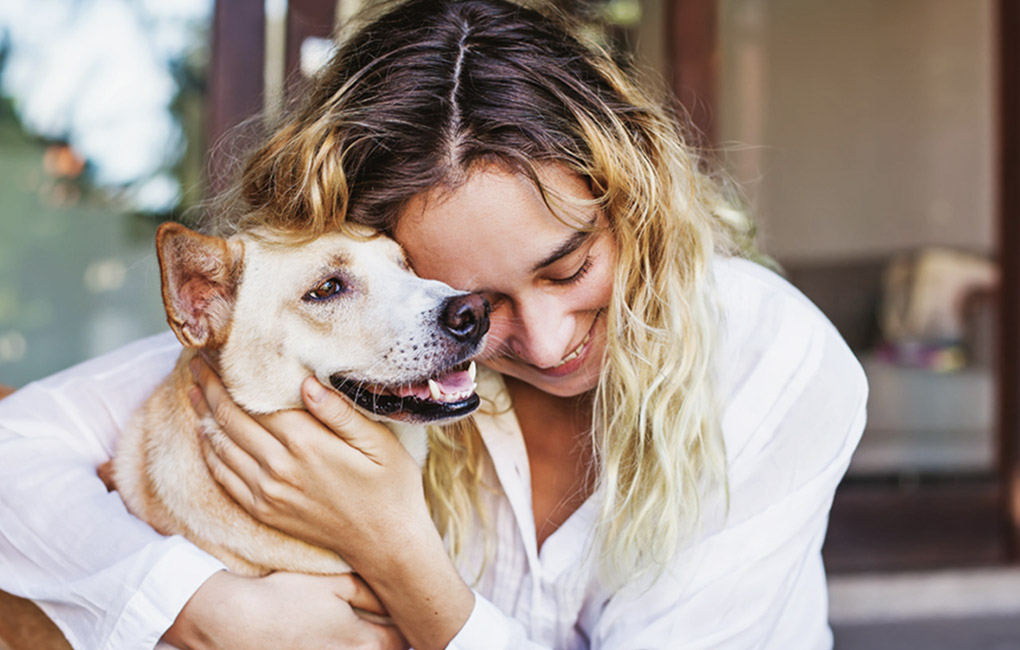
<point x="100" y="113"/>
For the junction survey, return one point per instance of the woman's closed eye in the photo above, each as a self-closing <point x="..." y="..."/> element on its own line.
<point x="576" y="275"/>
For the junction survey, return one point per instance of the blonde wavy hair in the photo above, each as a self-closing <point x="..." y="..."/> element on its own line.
<point x="426" y="90"/>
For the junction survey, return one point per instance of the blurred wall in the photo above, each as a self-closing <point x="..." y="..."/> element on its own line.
<point x="861" y="127"/>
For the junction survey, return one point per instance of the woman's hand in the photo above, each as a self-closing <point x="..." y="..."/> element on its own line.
<point x="281" y="610"/>
<point x="328" y="476"/>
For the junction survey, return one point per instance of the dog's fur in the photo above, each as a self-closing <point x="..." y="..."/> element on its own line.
<point x="256" y="308"/>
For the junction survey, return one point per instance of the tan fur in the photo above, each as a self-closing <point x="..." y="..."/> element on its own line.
<point x="163" y="479"/>
<point x="239" y="301"/>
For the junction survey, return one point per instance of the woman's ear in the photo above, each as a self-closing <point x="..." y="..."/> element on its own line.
<point x="200" y="277"/>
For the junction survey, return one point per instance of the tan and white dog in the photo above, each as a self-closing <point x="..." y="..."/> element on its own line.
<point x="344" y="308"/>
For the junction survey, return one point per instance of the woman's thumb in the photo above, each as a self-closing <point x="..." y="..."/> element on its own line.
<point x="330" y="408"/>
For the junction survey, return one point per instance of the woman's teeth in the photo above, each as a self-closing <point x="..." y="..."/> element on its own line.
<point x="576" y="352"/>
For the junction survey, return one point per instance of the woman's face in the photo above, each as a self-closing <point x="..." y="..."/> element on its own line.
<point x="549" y="283"/>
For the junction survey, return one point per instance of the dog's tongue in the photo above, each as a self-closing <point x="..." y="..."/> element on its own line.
<point x="448" y="387"/>
<point x="455" y="382"/>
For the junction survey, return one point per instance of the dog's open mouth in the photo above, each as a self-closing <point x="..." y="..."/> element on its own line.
<point x="449" y="395"/>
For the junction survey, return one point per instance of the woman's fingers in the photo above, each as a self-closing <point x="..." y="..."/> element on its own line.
<point x="240" y="427"/>
<point x="353" y="589"/>
<point x="229" y="479"/>
<point x="339" y="415"/>
<point x="229" y="464"/>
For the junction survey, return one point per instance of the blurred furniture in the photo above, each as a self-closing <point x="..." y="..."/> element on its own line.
<point x="920" y="422"/>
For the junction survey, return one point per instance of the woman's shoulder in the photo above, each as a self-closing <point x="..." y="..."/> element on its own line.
<point x="767" y="324"/>
<point x="787" y="381"/>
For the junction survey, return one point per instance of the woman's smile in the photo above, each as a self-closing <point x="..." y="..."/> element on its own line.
<point x="577" y="357"/>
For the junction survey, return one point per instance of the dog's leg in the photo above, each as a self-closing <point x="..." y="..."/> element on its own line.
<point x="23" y="626"/>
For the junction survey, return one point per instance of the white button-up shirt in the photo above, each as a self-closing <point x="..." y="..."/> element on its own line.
<point x="793" y="398"/>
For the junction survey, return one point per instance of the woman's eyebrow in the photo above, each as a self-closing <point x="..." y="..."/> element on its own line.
<point x="574" y="242"/>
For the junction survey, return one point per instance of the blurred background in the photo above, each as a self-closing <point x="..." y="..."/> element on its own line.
<point x="871" y="142"/>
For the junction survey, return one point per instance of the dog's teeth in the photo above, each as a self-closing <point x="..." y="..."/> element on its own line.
<point x="434" y="390"/>
<point x="472" y="371"/>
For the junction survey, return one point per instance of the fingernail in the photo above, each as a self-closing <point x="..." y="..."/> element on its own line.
<point x="195" y="366"/>
<point x="314" y="390"/>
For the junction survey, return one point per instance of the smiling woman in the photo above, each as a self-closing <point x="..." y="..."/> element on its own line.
<point x="663" y="421"/>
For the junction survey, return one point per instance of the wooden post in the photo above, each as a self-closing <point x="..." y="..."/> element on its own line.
<point x="305" y="18"/>
<point x="691" y="50"/>
<point x="1009" y="261"/>
<point x="235" y="78"/>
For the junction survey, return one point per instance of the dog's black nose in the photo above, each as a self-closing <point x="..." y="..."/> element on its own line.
<point x="466" y="318"/>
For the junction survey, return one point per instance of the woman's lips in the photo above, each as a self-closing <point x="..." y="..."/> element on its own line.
<point x="575" y="358"/>
<point x="576" y="352"/>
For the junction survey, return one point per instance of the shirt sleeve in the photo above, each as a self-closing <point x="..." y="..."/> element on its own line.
<point x="105" y="578"/>
<point x="755" y="579"/>
<point x="488" y="628"/>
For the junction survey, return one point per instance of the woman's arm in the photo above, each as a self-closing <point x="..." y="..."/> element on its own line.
<point x="281" y="610"/>
<point x="105" y="578"/>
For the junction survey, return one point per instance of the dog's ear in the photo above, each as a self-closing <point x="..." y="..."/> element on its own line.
<point x="200" y="276"/>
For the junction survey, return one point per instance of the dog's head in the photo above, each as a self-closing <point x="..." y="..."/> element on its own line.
<point x="344" y="308"/>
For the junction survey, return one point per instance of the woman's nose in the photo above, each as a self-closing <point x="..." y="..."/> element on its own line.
<point x="540" y="333"/>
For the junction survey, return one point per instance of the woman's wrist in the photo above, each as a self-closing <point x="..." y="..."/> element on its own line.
<point x="188" y="631"/>
<point x="420" y="587"/>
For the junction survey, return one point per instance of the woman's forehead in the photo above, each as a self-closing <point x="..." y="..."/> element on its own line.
<point x="496" y="219"/>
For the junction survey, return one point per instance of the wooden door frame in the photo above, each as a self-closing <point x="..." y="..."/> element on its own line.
<point x="692" y="57"/>
<point x="1008" y="128"/>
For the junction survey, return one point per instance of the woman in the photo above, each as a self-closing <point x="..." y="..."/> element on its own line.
<point x="666" y="425"/>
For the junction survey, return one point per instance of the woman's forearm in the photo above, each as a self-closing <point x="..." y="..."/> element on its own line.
<point x="420" y="587"/>
<point x="281" y="610"/>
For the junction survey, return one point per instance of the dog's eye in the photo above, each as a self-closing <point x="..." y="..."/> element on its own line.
<point x="326" y="290"/>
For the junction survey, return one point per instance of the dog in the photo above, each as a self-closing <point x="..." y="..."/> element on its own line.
<point x="268" y="313"/>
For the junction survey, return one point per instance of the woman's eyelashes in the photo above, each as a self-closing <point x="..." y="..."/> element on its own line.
<point x="577" y="275"/>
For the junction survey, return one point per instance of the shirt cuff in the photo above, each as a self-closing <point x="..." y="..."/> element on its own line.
<point x="170" y="584"/>
<point x="487" y="628"/>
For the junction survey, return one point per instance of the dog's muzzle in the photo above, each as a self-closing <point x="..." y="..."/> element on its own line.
<point x="442" y="393"/>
